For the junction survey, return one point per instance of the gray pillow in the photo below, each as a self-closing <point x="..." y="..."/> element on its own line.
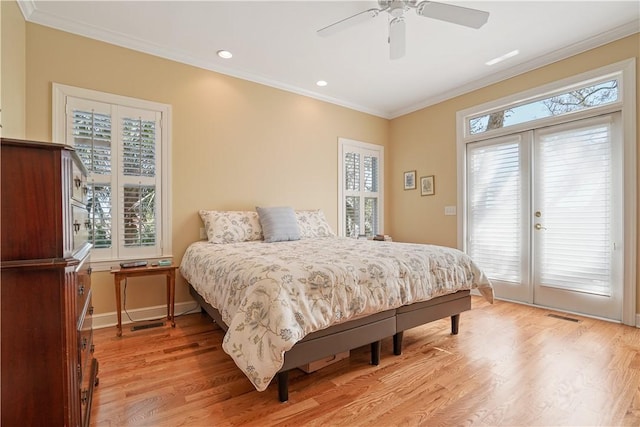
<point x="278" y="224"/>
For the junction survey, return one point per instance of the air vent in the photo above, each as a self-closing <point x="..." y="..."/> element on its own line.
<point x="557" y="316"/>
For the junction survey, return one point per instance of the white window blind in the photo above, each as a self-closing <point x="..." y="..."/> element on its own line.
<point x="494" y="208"/>
<point x="360" y="188"/>
<point x="574" y="170"/>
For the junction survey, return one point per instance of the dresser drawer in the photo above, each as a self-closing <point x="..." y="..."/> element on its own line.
<point x="85" y="344"/>
<point x="81" y="226"/>
<point x="79" y="189"/>
<point x="83" y="287"/>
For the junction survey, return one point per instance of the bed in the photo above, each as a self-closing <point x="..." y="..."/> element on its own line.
<point x="285" y="303"/>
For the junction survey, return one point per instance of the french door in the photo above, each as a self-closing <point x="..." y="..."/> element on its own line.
<point x="544" y="215"/>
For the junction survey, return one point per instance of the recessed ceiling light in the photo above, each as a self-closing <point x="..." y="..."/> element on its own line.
<point x="321" y="83"/>
<point x="503" y="57"/>
<point x="225" y="54"/>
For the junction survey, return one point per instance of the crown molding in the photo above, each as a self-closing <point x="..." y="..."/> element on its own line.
<point x="618" y="33"/>
<point x="32" y="14"/>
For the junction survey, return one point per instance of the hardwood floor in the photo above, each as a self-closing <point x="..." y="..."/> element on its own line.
<point x="510" y="365"/>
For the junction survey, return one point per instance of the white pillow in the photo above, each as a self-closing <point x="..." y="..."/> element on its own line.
<point x="231" y="226"/>
<point x="312" y="223"/>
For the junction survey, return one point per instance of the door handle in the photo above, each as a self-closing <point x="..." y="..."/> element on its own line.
<point x="539" y="227"/>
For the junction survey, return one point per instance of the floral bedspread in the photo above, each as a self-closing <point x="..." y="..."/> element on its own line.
<point x="273" y="294"/>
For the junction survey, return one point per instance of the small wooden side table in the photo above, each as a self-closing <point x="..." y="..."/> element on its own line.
<point x="119" y="274"/>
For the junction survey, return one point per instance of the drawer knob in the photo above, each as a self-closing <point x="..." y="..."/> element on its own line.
<point x="81" y="290"/>
<point x="85" y="396"/>
<point x="76" y="226"/>
<point x="84" y="344"/>
<point x="77" y="181"/>
<point x="91" y="310"/>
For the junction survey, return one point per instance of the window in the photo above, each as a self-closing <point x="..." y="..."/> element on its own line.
<point x="360" y="193"/>
<point x="124" y="143"/>
<point x="579" y="98"/>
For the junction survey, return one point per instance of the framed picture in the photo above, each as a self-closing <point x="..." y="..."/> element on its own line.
<point x="427" y="186"/>
<point x="410" y="180"/>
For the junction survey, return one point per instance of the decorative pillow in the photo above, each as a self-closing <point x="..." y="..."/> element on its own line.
<point x="231" y="226"/>
<point x="312" y="224"/>
<point x="278" y="224"/>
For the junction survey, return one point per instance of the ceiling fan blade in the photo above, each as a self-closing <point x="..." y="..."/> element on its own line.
<point x="397" y="39"/>
<point x="348" y="22"/>
<point x="473" y="18"/>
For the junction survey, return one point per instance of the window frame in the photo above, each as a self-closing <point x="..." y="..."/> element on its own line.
<point x="345" y="145"/>
<point x="60" y="93"/>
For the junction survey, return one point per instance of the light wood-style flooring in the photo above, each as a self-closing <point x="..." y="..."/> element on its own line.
<point x="510" y="365"/>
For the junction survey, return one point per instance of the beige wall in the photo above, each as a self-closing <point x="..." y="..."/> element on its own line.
<point x="236" y="144"/>
<point x="12" y="70"/>
<point x="426" y="141"/>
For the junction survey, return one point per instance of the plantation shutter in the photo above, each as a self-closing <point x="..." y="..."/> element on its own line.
<point x="574" y="193"/>
<point x="494" y="208"/>
<point x="352" y="188"/>
<point x="120" y="148"/>
<point x="361" y="178"/>
<point x="89" y="125"/>
<point x="138" y="183"/>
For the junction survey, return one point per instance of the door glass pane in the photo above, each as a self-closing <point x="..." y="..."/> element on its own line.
<point x="574" y="183"/>
<point x="494" y="209"/>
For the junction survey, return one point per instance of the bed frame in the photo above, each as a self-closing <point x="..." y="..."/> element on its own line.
<point x="356" y="333"/>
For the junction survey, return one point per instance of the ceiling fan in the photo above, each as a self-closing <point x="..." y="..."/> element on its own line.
<point x="473" y="18"/>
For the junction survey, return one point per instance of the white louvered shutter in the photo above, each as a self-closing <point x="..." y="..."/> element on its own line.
<point x="361" y="190"/>
<point x="138" y="181"/>
<point x="89" y="129"/>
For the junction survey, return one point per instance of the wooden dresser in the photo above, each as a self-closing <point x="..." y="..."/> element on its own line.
<point x="48" y="368"/>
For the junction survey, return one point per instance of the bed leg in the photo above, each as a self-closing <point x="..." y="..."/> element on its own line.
<point x="283" y="386"/>
<point x="397" y="343"/>
<point x="455" y="324"/>
<point x="375" y="352"/>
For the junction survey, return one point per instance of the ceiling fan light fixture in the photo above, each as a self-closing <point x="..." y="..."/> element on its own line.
<point x="224" y="54"/>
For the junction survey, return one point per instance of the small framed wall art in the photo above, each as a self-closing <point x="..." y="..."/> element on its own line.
<point x="427" y="186"/>
<point x="410" y="180"/>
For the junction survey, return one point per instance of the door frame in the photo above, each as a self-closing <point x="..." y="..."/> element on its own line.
<point x="626" y="70"/>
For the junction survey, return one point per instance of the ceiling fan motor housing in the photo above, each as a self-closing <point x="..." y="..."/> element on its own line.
<point x="395" y="8"/>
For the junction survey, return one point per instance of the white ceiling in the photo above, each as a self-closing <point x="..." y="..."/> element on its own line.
<point x="275" y="43"/>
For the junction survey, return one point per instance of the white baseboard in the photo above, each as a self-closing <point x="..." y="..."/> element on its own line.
<point x="105" y="320"/>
